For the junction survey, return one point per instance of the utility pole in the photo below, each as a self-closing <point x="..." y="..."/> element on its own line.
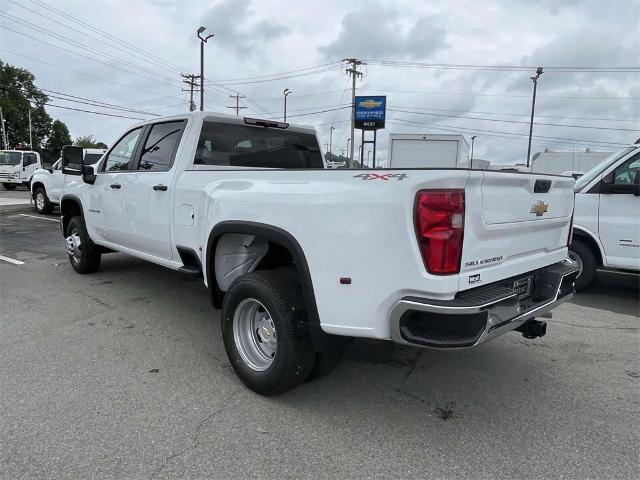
<point x="286" y="93"/>
<point x="473" y="140"/>
<point x="203" y="40"/>
<point x="191" y="80"/>
<point x="539" y="72"/>
<point x="5" y="144"/>
<point x="331" y="129"/>
<point x="30" y="139"/>
<point x="353" y="71"/>
<point x="237" y="108"/>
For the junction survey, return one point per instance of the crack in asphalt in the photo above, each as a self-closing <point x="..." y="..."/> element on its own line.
<point x="595" y="326"/>
<point x="414" y="364"/>
<point x="195" y="437"/>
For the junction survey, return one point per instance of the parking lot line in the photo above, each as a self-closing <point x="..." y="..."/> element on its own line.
<point x="40" y="218"/>
<point x="11" y="260"/>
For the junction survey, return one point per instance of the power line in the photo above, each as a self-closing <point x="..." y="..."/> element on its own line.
<point x="78" y="72"/>
<point x="54" y="93"/>
<point x="83" y="46"/>
<point x="513" y="121"/>
<point x="599" y="119"/>
<point x="95" y="113"/>
<point x="81" y="55"/>
<point x="149" y="56"/>
<point x="501" y="68"/>
<point x="484" y="131"/>
<point x="474" y="94"/>
<point x="259" y="77"/>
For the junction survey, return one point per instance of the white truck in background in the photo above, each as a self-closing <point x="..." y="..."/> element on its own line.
<point x="427" y="151"/>
<point x="433" y="258"/>
<point x="46" y="184"/>
<point x="17" y="167"/>
<point x="607" y="217"/>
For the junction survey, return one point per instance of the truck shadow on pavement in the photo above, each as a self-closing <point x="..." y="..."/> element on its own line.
<point x="613" y="292"/>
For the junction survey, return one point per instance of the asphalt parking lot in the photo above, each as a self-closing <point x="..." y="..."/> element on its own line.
<point x="122" y="375"/>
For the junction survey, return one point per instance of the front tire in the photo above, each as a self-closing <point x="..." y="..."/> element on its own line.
<point x="9" y="186"/>
<point x="41" y="201"/>
<point x="582" y="254"/>
<point x="265" y="333"/>
<point x="81" y="250"/>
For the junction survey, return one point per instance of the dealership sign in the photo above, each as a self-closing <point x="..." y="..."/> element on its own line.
<point x="370" y="112"/>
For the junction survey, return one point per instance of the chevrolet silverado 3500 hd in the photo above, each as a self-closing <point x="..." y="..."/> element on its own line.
<point x="299" y="256"/>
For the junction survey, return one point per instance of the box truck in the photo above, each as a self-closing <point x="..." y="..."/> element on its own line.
<point x="428" y="151"/>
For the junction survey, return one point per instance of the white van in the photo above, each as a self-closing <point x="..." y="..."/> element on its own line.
<point x="606" y="231"/>
<point x="17" y="167"/>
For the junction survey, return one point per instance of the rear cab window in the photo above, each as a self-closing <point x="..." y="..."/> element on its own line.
<point x="159" y="149"/>
<point x="249" y="146"/>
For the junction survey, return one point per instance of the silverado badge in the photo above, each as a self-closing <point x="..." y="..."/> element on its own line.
<point x="540" y="208"/>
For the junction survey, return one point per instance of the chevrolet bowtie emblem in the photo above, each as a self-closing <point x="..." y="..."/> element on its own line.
<point x="540" y="208"/>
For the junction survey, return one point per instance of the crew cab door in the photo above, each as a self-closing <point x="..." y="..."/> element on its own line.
<point x="55" y="183"/>
<point x="618" y="219"/>
<point x="104" y="213"/>
<point x="147" y="191"/>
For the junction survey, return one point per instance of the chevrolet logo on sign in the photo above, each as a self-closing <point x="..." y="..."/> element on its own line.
<point x="370" y="104"/>
<point x="540" y="208"/>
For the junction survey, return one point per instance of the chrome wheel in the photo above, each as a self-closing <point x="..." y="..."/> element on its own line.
<point x="254" y="334"/>
<point x="577" y="260"/>
<point x="40" y="201"/>
<point x="73" y="245"/>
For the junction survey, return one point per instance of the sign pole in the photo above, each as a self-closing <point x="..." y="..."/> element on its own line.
<point x="375" y="135"/>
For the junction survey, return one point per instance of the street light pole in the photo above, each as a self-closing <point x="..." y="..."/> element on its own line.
<point x="473" y="140"/>
<point x="331" y="129"/>
<point x="286" y="93"/>
<point x="539" y="72"/>
<point x="203" y="40"/>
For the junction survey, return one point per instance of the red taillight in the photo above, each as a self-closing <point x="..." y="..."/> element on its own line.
<point x="439" y="219"/>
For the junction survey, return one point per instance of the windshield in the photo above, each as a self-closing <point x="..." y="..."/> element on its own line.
<point x="256" y="147"/>
<point x="10" y="158"/>
<point x="586" y="179"/>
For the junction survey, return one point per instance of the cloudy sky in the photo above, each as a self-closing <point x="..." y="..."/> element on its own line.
<point x="130" y="55"/>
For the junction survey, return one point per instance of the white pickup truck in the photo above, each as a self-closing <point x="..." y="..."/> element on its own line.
<point x="436" y="258"/>
<point x="46" y="184"/>
<point x="607" y="217"/>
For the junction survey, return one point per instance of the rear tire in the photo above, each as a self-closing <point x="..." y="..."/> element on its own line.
<point x="9" y="186"/>
<point x="82" y="252"/>
<point x="41" y="201"/>
<point x="582" y="254"/>
<point x="265" y="333"/>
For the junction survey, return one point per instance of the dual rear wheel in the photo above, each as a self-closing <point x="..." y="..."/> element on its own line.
<point x="266" y="335"/>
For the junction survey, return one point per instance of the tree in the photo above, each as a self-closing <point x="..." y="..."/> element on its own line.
<point x="17" y="95"/>
<point x="88" y="141"/>
<point x="58" y="138"/>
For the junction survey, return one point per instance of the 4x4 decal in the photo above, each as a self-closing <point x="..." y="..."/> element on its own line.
<point x="384" y="176"/>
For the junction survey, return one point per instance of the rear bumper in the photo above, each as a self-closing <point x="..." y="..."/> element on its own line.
<point x="480" y="314"/>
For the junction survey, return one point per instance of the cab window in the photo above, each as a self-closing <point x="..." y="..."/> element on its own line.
<point x="120" y="157"/>
<point x="29" y="159"/>
<point x="626" y="173"/>
<point x="160" y="146"/>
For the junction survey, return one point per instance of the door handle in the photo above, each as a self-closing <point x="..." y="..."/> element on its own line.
<point x="116" y="185"/>
<point x="162" y="188"/>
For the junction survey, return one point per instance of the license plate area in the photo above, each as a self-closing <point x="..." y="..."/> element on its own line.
<point x="522" y="287"/>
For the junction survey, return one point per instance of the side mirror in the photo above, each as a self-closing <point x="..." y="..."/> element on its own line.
<point x="88" y="174"/>
<point x="72" y="159"/>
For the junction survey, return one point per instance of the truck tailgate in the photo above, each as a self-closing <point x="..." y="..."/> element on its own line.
<point x="514" y="223"/>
